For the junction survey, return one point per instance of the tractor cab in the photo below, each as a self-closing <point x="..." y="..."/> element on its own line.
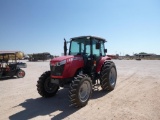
<point x="87" y="46"/>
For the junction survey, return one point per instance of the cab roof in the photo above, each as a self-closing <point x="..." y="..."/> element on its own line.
<point x="80" y="37"/>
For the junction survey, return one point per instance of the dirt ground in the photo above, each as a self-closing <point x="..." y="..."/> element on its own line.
<point x="136" y="96"/>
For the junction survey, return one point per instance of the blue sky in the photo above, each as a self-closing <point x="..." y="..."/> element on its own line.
<point x="34" y="26"/>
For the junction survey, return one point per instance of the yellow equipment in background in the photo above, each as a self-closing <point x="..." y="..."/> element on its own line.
<point x="11" y="55"/>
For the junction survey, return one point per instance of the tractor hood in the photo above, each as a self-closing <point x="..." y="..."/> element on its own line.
<point x="65" y="59"/>
<point x="58" y="59"/>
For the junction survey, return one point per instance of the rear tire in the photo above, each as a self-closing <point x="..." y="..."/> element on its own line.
<point x="80" y="90"/>
<point x="108" y="76"/>
<point x="44" y="86"/>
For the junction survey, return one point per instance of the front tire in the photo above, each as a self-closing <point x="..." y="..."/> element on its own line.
<point x="108" y="76"/>
<point x="80" y="90"/>
<point x="20" y="73"/>
<point x="44" y="86"/>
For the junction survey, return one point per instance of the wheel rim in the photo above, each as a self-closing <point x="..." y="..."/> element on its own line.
<point x="49" y="87"/>
<point x="21" y="73"/>
<point x="112" y="76"/>
<point x="84" y="91"/>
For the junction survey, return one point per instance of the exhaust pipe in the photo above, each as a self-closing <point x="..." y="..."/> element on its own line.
<point x="65" y="47"/>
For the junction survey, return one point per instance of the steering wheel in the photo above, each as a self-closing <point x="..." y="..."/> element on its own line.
<point x="78" y="53"/>
<point x="85" y="53"/>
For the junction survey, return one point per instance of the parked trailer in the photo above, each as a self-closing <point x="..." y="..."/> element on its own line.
<point x="39" y="56"/>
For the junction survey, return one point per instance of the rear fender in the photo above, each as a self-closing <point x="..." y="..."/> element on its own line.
<point x="102" y="60"/>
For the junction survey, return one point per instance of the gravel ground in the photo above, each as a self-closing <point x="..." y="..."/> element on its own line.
<point x="136" y="96"/>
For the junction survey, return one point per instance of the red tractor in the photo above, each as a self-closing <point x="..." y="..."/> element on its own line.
<point x="85" y="66"/>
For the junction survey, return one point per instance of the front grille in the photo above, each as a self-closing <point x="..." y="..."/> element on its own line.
<point x="57" y="70"/>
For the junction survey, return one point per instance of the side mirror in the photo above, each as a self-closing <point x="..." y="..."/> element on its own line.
<point x="98" y="45"/>
<point x="105" y="50"/>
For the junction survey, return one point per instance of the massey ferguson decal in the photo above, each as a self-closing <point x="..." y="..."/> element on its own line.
<point x="78" y="58"/>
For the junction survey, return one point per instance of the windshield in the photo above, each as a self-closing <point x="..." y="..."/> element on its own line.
<point x="80" y="46"/>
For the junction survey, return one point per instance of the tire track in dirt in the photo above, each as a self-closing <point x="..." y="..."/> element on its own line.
<point x="124" y="83"/>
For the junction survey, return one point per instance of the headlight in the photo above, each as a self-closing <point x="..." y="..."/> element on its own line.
<point x="61" y="63"/>
<point x="58" y="68"/>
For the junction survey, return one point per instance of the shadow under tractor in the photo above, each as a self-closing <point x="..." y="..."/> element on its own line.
<point x="85" y="66"/>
